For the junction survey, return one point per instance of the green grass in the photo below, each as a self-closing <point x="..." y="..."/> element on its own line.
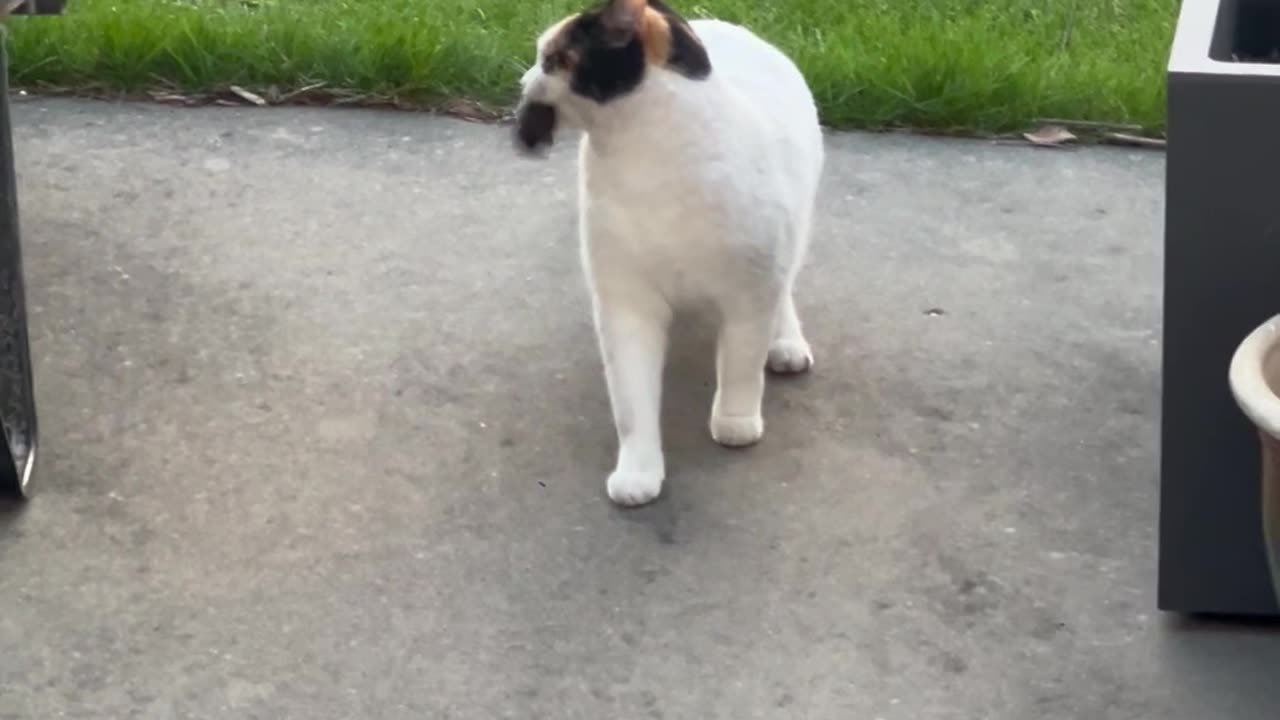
<point x="972" y="65"/>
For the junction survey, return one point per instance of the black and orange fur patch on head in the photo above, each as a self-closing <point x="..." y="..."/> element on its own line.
<point x="604" y="54"/>
<point x="606" y="51"/>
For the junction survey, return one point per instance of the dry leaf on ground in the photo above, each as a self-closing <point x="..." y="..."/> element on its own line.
<point x="1050" y="136"/>
<point x="1116" y="138"/>
<point x="246" y="95"/>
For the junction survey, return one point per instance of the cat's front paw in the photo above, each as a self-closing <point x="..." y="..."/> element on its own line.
<point x="737" y="431"/>
<point x="789" y="357"/>
<point x="631" y="489"/>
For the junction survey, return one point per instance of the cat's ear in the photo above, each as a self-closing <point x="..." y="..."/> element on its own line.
<point x="686" y="54"/>
<point x="621" y="20"/>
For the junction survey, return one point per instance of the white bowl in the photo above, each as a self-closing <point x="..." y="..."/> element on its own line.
<point x="1255" y="383"/>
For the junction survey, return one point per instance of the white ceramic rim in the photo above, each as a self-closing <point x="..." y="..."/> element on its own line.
<point x="1254" y="396"/>
<point x="1193" y="38"/>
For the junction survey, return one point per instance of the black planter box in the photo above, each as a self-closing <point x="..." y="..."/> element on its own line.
<point x="40" y="7"/>
<point x="18" y="429"/>
<point x="1222" y="279"/>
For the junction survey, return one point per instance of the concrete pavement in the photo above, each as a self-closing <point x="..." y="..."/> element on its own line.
<point x="325" y="436"/>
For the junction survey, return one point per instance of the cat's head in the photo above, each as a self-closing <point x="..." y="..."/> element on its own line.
<point x="598" y="56"/>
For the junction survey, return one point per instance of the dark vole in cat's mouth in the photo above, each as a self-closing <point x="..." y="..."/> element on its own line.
<point x="535" y="127"/>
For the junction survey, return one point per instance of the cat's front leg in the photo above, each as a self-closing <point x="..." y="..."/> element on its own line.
<point x="741" y="354"/>
<point x="633" y="343"/>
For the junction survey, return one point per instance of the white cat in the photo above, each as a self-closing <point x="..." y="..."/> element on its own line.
<point x="699" y="167"/>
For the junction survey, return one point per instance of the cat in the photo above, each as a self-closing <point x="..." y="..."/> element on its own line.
<point x="699" y="166"/>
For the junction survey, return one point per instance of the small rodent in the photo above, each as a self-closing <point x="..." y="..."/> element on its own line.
<point x="535" y="126"/>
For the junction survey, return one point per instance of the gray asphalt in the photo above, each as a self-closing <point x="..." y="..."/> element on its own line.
<point x="325" y="436"/>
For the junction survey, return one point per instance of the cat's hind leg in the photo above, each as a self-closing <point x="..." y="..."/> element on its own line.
<point x="789" y="352"/>
<point x="743" y="348"/>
